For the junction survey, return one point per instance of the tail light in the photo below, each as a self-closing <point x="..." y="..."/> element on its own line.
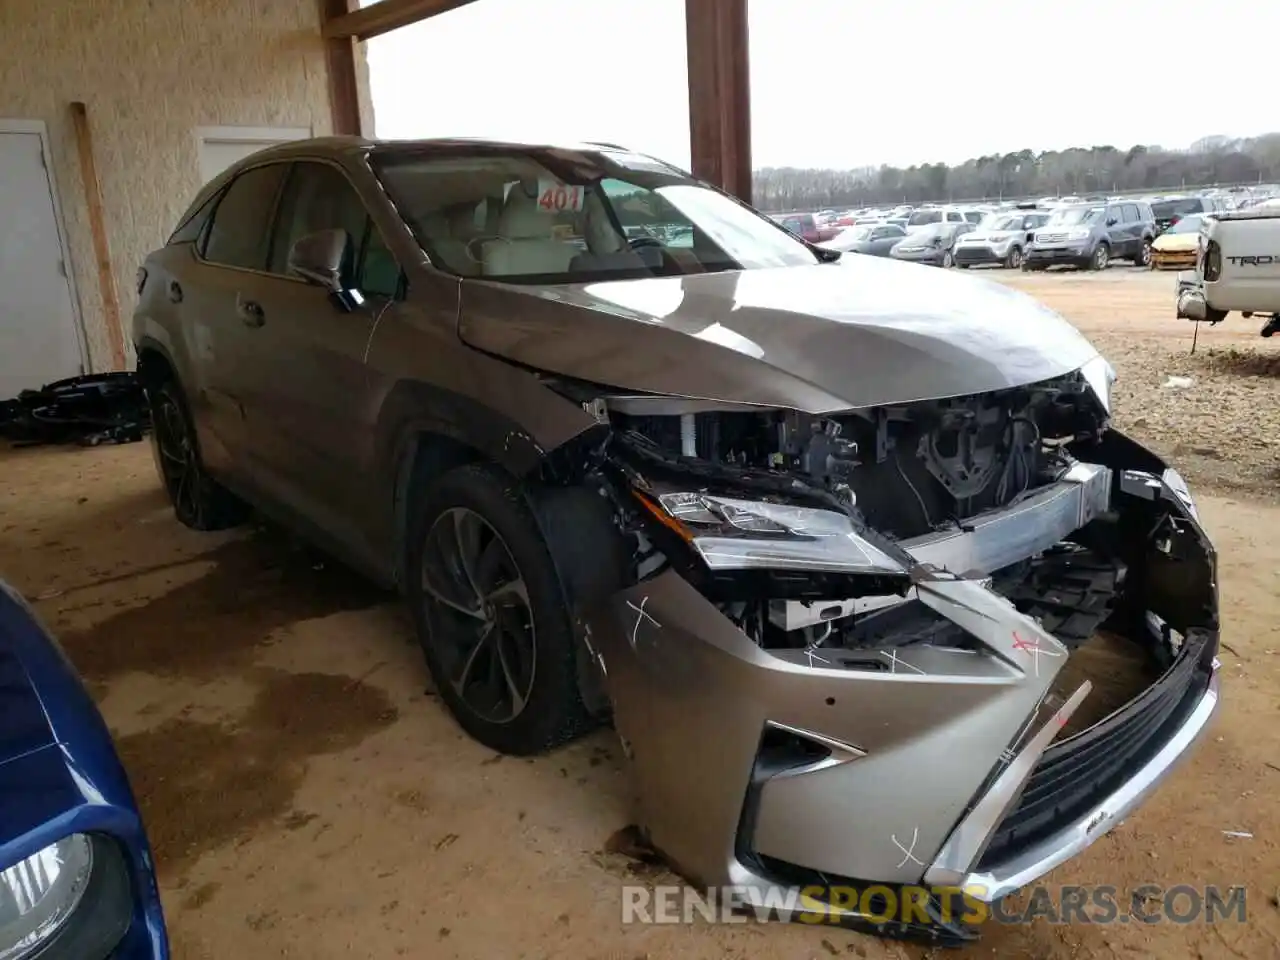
<point x="1212" y="261"/>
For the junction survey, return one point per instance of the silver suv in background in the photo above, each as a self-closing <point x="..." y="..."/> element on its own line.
<point x="1001" y="238"/>
<point x="1091" y="235"/>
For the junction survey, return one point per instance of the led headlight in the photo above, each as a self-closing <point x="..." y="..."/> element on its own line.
<point x="1173" y="480"/>
<point x="731" y="534"/>
<point x="1080" y="233"/>
<point x="1100" y="376"/>
<point x="68" y="900"/>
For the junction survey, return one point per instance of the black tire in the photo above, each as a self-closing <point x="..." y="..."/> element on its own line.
<point x="962" y="266"/>
<point x="948" y="261"/>
<point x="199" y="501"/>
<point x="550" y="707"/>
<point x="1143" y="258"/>
<point x="1013" y="260"/>
<point x="1100" y="258"/>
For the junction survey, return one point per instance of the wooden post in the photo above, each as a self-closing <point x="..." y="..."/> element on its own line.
<point x="719" y="93"/>
<point x="98" y="228"/>
<point x="340" y="64"/>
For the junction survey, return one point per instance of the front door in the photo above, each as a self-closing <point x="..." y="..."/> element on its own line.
<point x="310" y="418"/>
<point x="39" y="339"/>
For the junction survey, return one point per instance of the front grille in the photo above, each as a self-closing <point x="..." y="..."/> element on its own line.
<point x="1051" y="238"/>
<point x="1075" y="775"/>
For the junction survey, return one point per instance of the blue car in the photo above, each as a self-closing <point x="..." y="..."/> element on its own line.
<point x="77" y="880"/>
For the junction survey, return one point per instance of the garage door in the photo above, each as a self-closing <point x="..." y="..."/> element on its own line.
<point x="38" y="335"/>
<point x="220" y="147"/>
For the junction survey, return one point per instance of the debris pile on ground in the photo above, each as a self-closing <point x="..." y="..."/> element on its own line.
<point x="88" y="410"/>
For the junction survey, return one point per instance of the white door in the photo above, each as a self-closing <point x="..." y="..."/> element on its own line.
<point x="39" y="342"/>
<point x="220" y="147"/>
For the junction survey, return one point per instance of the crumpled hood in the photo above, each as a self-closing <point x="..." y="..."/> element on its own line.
<point x="865" y="331"/>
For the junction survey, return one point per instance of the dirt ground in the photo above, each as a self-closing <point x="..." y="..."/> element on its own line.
<point x="308" y="796"/>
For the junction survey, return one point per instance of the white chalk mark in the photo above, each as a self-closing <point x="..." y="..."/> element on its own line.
<point x="908" y="853"/>
<point x="895" y="662"/>
<point x="808" y="652"/>
<point x="1035" y="649"/>
<point x="641" y="614"/>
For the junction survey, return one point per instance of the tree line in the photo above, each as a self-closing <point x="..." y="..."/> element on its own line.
<point x="1026" y="173"/>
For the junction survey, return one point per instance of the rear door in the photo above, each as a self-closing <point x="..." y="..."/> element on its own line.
<point x="310" y="418"/>
<point x="226" y="259"/>
<point x="1117" y="231"/>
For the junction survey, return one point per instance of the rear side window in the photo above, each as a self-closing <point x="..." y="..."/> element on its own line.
<point x="190" y="229"/>
<point x="239" y="234"/>
<point x="1131" y="213"/>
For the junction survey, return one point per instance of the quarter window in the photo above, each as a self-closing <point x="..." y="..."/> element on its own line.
<point x="239" y="233"/>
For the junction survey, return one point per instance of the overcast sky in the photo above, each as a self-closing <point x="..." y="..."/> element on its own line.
<point x="837" y="83"/>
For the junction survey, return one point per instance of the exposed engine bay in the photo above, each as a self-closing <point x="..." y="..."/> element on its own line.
<point x="903" y="473"/>
<point x="952" y="458"/>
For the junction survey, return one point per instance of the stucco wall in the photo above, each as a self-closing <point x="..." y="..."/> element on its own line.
<point x="150" y="72"/>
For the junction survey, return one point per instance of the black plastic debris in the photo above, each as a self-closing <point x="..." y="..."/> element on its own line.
<point x="89" y="410"/>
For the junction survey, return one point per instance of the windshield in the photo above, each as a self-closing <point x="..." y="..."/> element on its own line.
<point x="509" y="217"/>
<point x="1168" y="209"/>
<point x="1003" y="221"/>
<point x="1189" y="224"/>
<point x="1066" y="216"/>
<point x="921" y="217"/>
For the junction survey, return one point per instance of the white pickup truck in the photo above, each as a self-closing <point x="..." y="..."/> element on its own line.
<point x="1237" y="269"/>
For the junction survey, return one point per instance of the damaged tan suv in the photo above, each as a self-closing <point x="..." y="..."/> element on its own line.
<point x="803" y="526"/>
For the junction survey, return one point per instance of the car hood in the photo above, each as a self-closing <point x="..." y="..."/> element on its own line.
<point x="864" y="331"/>
<point x="25" y="727"/>
<point x="1176" y="241"/>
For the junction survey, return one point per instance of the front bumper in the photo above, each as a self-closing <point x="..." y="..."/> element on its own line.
<point x="1075" y="254"/>
<point x="1173" y="259"/>
<point x="784" y="767"/>
<point x="980" y="253"/>
<point x="931" y="256"/>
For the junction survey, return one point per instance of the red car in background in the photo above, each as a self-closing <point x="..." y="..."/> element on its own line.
<point x="807" y="227"/>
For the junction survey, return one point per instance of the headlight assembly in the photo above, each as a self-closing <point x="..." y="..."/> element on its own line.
<point x="68" y="901"/>
<point x="731" y="534"/>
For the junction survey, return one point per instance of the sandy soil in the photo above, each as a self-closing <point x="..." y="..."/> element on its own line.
<point x="308" y="796"/>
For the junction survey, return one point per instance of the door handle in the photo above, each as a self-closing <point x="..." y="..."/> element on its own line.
<point x="175" y="291"/>
<point x="251" y="314"/>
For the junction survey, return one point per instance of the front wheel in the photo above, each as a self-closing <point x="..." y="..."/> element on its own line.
<point x="948" y="261"/>
<point x="1014" y="260"/>
<point x="199" y="501"/>
<point x="491" y="615"/>
<point x="1101" y="257"/>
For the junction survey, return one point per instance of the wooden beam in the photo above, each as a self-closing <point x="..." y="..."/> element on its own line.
<point x="719" y="93"/>
<point x="385" y="16"/>
<point x="340" y="64"/>
<point x="98" y="229"/>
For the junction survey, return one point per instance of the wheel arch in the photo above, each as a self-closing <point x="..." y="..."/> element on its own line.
<point x="154" y="363"/>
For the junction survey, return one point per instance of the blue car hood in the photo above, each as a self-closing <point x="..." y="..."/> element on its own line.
<point x="24" y="725"/>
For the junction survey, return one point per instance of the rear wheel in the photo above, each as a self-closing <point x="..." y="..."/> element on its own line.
<point x="491" y="615"/>
<point x="1143" y="259"/>
<point x="199" y="501"/>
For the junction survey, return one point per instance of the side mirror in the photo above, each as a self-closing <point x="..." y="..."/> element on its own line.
<point x="318" y="257"/>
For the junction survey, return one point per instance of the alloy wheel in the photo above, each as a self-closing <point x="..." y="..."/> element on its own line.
<point x="948" y="260"/>
<point x="481" y="618"/>
<point x="1015" y="258"/>
<point x="1144" y="258"/>
<point x="179" y="465"/>
<point x="1100" y="258"/>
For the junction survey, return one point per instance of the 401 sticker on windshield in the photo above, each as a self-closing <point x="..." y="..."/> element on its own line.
<point x="556" y="197"/>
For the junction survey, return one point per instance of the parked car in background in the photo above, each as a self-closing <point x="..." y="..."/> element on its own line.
<point x="930" y="243"/>
<point x="928" y="216"/>
<point x="1001" y="238"/>
<point x="1170" y="210"/>
<point x="1178" y="246"/>
<point x="1090" y="235"/>
<point x="873" y="239"/>
<point x="807" y="226"/>
<point x="1238" y="269"/>
<point x="76" y="874"/>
